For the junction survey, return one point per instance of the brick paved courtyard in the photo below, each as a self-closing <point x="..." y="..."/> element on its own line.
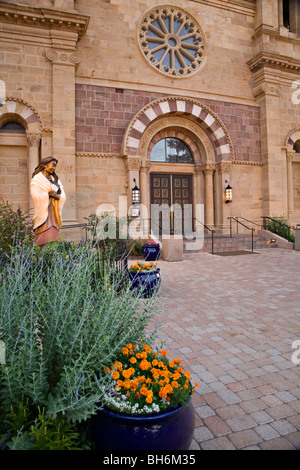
<point x="232" y="320"/>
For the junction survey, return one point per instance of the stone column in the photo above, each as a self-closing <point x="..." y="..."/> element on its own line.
<point x="63" y="104"/>
<point x="145" y="201"/>
<point x="198" y="195"/>
<point x="222" y="210"/>
<point x="33" y="142"/>
<point x="290" y="192"/>
<point x="274" y="189"/>
<point x="209" y="196"/>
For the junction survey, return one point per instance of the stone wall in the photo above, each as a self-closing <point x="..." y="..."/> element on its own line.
<point x="103" y="114"/>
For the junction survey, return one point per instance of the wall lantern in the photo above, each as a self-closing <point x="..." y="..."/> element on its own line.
<point x="136" y="194"/>
<point x="228" y="193"/>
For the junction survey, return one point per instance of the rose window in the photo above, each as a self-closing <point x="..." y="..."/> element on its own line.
<point x="172" y="41"/>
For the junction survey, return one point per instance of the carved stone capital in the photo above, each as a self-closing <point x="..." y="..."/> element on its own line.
<point x="199" y="169"/>
<point x="133" y="164"/>
<point x="223" y="167"/>
<point x="265" y="89"/>
<point x="291" y="156"/>
<point x="209" y="168"/>
<point x="62" y="57"/>
<point x="33" y="139"/>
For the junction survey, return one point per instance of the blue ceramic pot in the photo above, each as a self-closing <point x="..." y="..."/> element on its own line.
<point x="145" y="282"/>
<point x="167" y="430"/>
<point x="151" y="252"/>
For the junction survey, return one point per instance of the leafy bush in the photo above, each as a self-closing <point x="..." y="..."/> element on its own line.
<point x="15" y="228"/>
<point x="280" y="226"/>
<point x="61" y="325"/>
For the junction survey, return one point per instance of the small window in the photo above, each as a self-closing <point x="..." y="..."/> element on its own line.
<point x="12" y="126"/>
<point x="296" y="146"/>
<point x="171" y="151"/>
<point x="286" y="13"/>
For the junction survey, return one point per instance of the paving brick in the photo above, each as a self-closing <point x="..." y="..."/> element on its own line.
<point x="266" y="432"/>
<point x="202" y="433"/>
<point x="283" y="427"/>
<point x="281" y="411"/>
<point x="229" y="397"/>
<point x="240" y="423"/>
<point x="253" y="405"/>
<point x="204" y="411"/>
<point x="277" y="444"/>
<point x="245" y="438"/>
<point x="217" y="426"/>
<point x="220" y="443"/>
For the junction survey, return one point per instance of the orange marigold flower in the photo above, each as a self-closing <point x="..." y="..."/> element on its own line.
<point x="187" y="374"/>
<point x="143" y="355"/>
<point x="132" y="360"/>
<point x="172" y="364"/>
<point x="175" y="384"/>
<point x="125" y="351"/>
<point x="180" y="369"/>
<point x="185" y="386"/>
<point x="127" y="384"/>
<point x="144" y="365"/>
<point x="144" y="390"/>
<point x="146" y="348"/>
<point x="163" y="352"/>
<point x="155" y="362"/>
<point x="128" y="372"/>
<point x="115" y="375"/>
<point x="196" y="384"/>
<point x="118" y="365"/>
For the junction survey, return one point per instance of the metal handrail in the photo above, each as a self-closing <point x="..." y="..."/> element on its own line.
<point x="210" y="229"/>
<point x="241" y="223"/>
<point x="247" y="220"/>
<point x="289" y="227"/>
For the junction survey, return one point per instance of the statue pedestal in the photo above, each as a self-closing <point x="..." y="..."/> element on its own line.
<point x="172" y="248"/>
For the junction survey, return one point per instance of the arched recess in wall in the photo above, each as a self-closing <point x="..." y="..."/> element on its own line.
<point x="201" y="130"/>
<point x="19" y="150"/>
<point x="292" y="148"/>
<point x="190" y="110"/>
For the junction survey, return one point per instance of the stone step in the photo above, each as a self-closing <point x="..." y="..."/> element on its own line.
<point x="224" y="243"/>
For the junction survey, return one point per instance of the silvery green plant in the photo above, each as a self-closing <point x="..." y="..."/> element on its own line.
<point x="62" y="323"/>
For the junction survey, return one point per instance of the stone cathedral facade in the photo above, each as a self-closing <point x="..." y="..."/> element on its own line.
<point x="184" y="97"/>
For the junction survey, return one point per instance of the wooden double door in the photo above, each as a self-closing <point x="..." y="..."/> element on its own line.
<point x="174" y="192"/>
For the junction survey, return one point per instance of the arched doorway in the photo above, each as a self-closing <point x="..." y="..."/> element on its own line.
<point x="20" y="137"/>
<point x="292" y="148"/>
<point x="207" y="163"/>
<point x="173" y="189"/>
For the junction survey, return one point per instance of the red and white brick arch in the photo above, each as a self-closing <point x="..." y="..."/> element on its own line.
<point x="17" y="109"/>
<point x="178" y="106"/>
<point x="292" y="137"/>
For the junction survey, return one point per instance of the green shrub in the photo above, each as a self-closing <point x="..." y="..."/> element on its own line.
<point x="280" y="226"/>
<point x="15" y="228"/>
<point x="61" y="325"/>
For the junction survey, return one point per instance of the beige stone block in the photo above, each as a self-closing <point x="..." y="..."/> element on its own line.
<point x="172" y="248"/>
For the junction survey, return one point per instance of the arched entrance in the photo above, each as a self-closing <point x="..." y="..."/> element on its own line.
<point x="206" y="137"/>
<point x="20" y="137"/>
<point x="292" y="148"/>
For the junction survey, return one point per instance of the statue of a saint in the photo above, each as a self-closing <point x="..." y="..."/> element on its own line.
<point x="48" y="198"/>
